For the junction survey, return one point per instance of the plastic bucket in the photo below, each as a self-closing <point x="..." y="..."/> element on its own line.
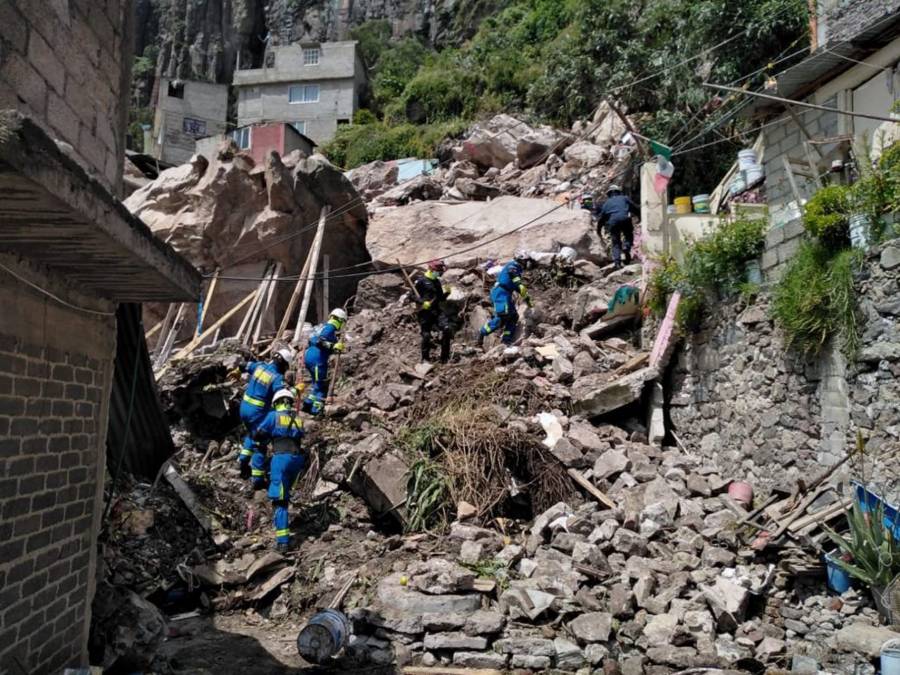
<point x="701" y="203"/>
<point x="890" y="658"/>
<point x="741" y="492"/>
<point x="859" y="230"/>
<point x="738" y="184"/>
<point x="753" y="272"/>
<point x="838" y="580"/>
<point x="746" y="159"/>
<point x="324" y="636"/>
<point x="682" y="204"/>
<point x="753" y="174"/>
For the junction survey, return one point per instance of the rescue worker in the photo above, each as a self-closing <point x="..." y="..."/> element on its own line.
<point x="265" y="380"/>
<point x="509" y="282"/>
<point x="283" y="429"/>
<point x="432" y="315"/>
<point x="324" y="340"/>
<point x="615" y="214"/>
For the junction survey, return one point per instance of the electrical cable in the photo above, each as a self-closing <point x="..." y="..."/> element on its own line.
<point x="54" y="297"/>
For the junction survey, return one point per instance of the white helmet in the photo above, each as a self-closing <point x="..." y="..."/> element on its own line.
<point x="614" y="188"/>
<point x="283" y="394"/>
<point x="339" y="313"/>
<point x="522" y="255"/>
<point x="286" y="353"/>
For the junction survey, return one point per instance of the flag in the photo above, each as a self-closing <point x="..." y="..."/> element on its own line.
<point x="660" y="150"/>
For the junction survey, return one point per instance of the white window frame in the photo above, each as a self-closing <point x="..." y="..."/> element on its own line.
<point x="300" y="123"/>
<point x="305" y="96"/>
<point x="311" y="56"/>
<point x="239" y="134"/>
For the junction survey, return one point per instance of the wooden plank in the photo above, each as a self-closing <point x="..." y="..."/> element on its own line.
<point x="408" y="280"/>
<point x="166" y="325"/>
<point x="197" y="341"/>
<point x="634" y="363"/>
<point x="258" y="305"/>
<point x="270" y="291"/>
<point x="326" y="287"/>
<point x="667" y="337"/>
<point x="313" y="266"/>
<point x="821" y="515"/>
<point x="590" y="488"/>
<point x="603" y="327"/>
<point x="793" y="181"/>
<point x="209" y="296"/>
<point x="166" y="349"/>
<point x="292" y="303"/>
<point x="246" y="320"/>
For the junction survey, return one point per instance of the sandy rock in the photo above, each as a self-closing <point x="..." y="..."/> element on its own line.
<point x="863" y="638"/>
<point x="454" y="641"/>
<point x="494" y="143"/>
<point x="534" y="147"/>
<point x="585" y="155"/>
<point x="480" y="660"/>
<point x="728" y="602"/>
<point x="375" y="178"/>
<point x="484" y="622"/>
<point x="592" y="626"/>
<point x="611" y="463"/>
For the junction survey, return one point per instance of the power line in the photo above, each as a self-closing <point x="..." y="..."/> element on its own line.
<point x="54" y="297"/>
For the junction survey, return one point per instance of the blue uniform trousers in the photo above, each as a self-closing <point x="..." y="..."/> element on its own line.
<point x="505" y="315"/>
<point x="284" y="470"/>
<point x="251" y="416"/>
<point x="318" y="373"/>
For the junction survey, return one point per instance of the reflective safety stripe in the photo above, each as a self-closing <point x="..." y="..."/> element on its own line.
<point x="245" y="452"/>
<point x="262" y="375"/>
<point x="487" y="328"/>
<point x="282" y="533"/>
<point x="254" y="401"/>
<point x="257" y="472"/>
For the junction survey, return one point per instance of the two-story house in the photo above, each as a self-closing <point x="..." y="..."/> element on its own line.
<point x="315" y="87"/>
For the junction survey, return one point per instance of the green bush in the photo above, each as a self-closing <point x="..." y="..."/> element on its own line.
<point x="826" y="216"/>
<point x="814" y="300"/>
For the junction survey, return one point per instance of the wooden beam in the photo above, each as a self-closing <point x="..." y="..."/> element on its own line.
<point x="246" y="320"/>
<point x="590" y="488"/>
<point x="803" y="129"/>
<point x="264" y="312"/>
<point x="257" y="305"/>
<point x="197" y="341"/>
<point x="166" y="325"/>
<point x="166" y="349"/>
<point x="793" y="181"/>
<point x="209" y="295"/>
<point x="292" y="303"/>
<point x="313" y="266"/>
<point x="408" y="280"/>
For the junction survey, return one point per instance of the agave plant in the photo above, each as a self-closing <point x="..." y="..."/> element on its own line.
<point x="874" y="552"/>
<point x="426" y="500"/>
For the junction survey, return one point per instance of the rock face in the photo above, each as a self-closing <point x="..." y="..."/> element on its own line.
<point x="427" y="230"/>
<point x="233" y="216"/>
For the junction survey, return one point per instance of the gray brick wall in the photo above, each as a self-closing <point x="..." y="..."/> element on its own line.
<point x="67" y="65"/>
<point x="55" y="377"/>
<point x="843" y="19"/>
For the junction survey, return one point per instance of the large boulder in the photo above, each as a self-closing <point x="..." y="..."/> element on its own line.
<point x="494" y="143"/>
<point x="534" y="148"/>
<point x="230" y="215"/>
<point x="374" y="178"/>
<point x="428" y="230"/>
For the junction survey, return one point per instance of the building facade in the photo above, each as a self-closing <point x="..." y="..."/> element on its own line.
<point x="314" y="86"/>
<point x="185" y="112"/>
<point x="257" y="140"/>
<point x="70" y="253"/>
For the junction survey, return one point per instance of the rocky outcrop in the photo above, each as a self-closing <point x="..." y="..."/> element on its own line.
<point x="426" y="230"/>
<point x="233" y="216"/>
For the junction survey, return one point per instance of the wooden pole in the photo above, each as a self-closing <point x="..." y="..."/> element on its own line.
<point x="170" y="338"/>
<point x="166" y="325"/>
<point x="209" y="295"/>
<point x="313" y="266"/>
<point x="246" y="319"/>
<point x="335" y="374"/>
<point x="295" y="296"/>
<point x="409" y="282"/>
<point x="257" y="306"/>
<point x="326" y="301"/>
<point x="265" y="310"/>
<point x="197" y="341"/>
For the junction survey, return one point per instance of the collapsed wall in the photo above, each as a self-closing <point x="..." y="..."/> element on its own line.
<point x="767" y="415"/>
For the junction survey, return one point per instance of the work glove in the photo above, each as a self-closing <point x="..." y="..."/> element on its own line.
<point x="528" y="301"/>
<point x="245" y="470"/>
<point x="339" y="346"/>
<point x="426" y="304"/>
<point x="234" y="374"/>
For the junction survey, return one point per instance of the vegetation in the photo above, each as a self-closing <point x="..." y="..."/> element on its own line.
<point x="427" y="492"/>
<point x="827" y="216"/>
<point x="872" y="553"/>
<point x="557" y="59"/>
<point x="714" y="263"/>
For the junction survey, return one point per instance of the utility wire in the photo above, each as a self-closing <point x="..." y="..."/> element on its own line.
<point x="54" y="297"/>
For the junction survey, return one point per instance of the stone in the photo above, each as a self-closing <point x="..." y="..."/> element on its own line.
<point x="392" y="595"/>
<point x="680" y="657"/>
<point x="381" y="398"/>
<point x="567" y="453"/>
<point x="633" y="664"/>
<point x="568" y="655"/>
<point x="604" y="532"/>
<point x="728" y="602"/>
<point x="585" y="155"/>
<point x="443" y="622"/>
<point x="454" y="641"/>
<point x="863" y="638"/>
<point x="804" y="665"/>
<point x="715" y="556"/>
<point x="595" y="653"/>
<point x="438" y="576"/>
<point x="563" y="369"/>
<point x="420" y="188"/>
<point x="659" y="491"/>
<point x="381" y="482"/>
<point x="527" y="602"/>
<point x="592" y="626"/>
<point x="660" y="629"/>
<point x="464" y="511"/>
<point x="530" y="646"/>
<point x="611" y="463"/>
<point x="374" y="178"/>
<point x="480" y="660"/>
<point x="594" y="395"/>
<point x="620" y="601"/>
<point x="585" y="436"/>
<point x="769" y="648"/>
<point x="484" y="622"/>
<point x="471" y="552"/>
<point x="890" y="257"/>
<point x="539" y="663"/>
<point x="535" y="146"/>
<point x="554" y="513"/>
<point x="629" y="543"/>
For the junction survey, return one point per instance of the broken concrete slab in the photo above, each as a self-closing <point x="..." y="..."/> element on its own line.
<point x="381" y="482"/>
<point x="863" y="638"/>
<point x="593" y="395"/>
<point x="728" y="602"/>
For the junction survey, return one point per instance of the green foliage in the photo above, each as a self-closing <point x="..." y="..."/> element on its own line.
<point x="715" y="262"/>
<point x="874" y="554"/>
<point x="427" y="496"/>
<point x="877" y="192"/>
<point x="359" y="144"/>
<point x="373" y="38"/>
<point x="826" y="216"/>
<point x="815" y="299"/>
<point x="491" y="568"/>
<point x="396" y="67"/>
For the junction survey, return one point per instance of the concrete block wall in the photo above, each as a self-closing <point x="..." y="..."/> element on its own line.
<point x="785" y="227"/>
<point x="68" y="66"/>
<point x="842" y="19"/>
<point x="55" y="380"/>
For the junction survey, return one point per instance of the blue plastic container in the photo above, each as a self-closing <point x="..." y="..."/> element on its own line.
<point x="890" y="658"/>
<point x="869" y="501"/>
<point x="324" y="636"/>
<point x="838" y="580"/>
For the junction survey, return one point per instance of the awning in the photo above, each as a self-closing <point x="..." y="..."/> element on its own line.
<point x="53" y="213"/>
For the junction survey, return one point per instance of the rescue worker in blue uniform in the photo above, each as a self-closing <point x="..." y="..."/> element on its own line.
<point x="431" y="314"/>
<point x="615" y="214"/>
<point x="324" y="340"/>
<point x="509" y="282"/>
<point x="265" y="380"/>
<point x="283" y="429"/>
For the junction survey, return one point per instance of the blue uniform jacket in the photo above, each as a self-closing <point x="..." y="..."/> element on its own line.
<point x="321" y="343"/>
<point x="280" y="424"/>
<point x="264" y="381"/>
<point x="617" y="209"/>
<point x="510" y="279"/>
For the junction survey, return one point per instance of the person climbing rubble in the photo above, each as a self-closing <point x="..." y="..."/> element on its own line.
<point x="432" y="312"/>
<point x="509" y="282"/>
<point x="324" y="340"/>
<point x="283" y="429"/>
<point x="615" y="214"/>
<point x="265" y="379"/>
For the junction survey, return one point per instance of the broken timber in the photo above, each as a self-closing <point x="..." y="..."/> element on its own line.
<point x="313" y="266"/>
<point x="212" y="527"/>
<point x="590" y="488"/>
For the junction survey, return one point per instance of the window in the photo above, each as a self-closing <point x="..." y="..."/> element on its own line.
<point x="311" y="56"/>
<point x="303" y="93"/>
<point x="342" y="122"/>
<point x="242" y="137"/>
<point x="300" y="127"/>
<point x="176" y="89"/>
<point x="193" y="127"/>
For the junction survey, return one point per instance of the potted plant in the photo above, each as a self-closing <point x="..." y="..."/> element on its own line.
<point x="873" y="550"/>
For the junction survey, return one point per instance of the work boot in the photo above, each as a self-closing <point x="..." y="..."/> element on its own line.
<point x="282" y="547"/>
<point x="480" y="340"/>
<point x="627" y="257"/>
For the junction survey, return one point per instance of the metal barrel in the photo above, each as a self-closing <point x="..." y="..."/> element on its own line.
<point x="324" y="636"/>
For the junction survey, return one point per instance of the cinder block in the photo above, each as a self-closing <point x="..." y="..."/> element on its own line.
<point x="794" y="229"/>
<point x="42" y="56"/>
<point x="27" y="83"/>
<point x="769" y="259"/>
<point x="13" y="28"/>
<point x="64" y="121"/>
<point x="774" y="237"/>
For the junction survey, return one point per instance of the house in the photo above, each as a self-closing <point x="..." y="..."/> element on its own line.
<point x="258" y="139"/>
<point x="853" y="67"/>
<point x="315" y="86"/>
<point x="71" y="257"/>
<point x="185" y="111"/>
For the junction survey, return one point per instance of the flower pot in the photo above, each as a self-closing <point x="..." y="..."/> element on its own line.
<point x="837" y="579"/>
<point x="753" y="272"/>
